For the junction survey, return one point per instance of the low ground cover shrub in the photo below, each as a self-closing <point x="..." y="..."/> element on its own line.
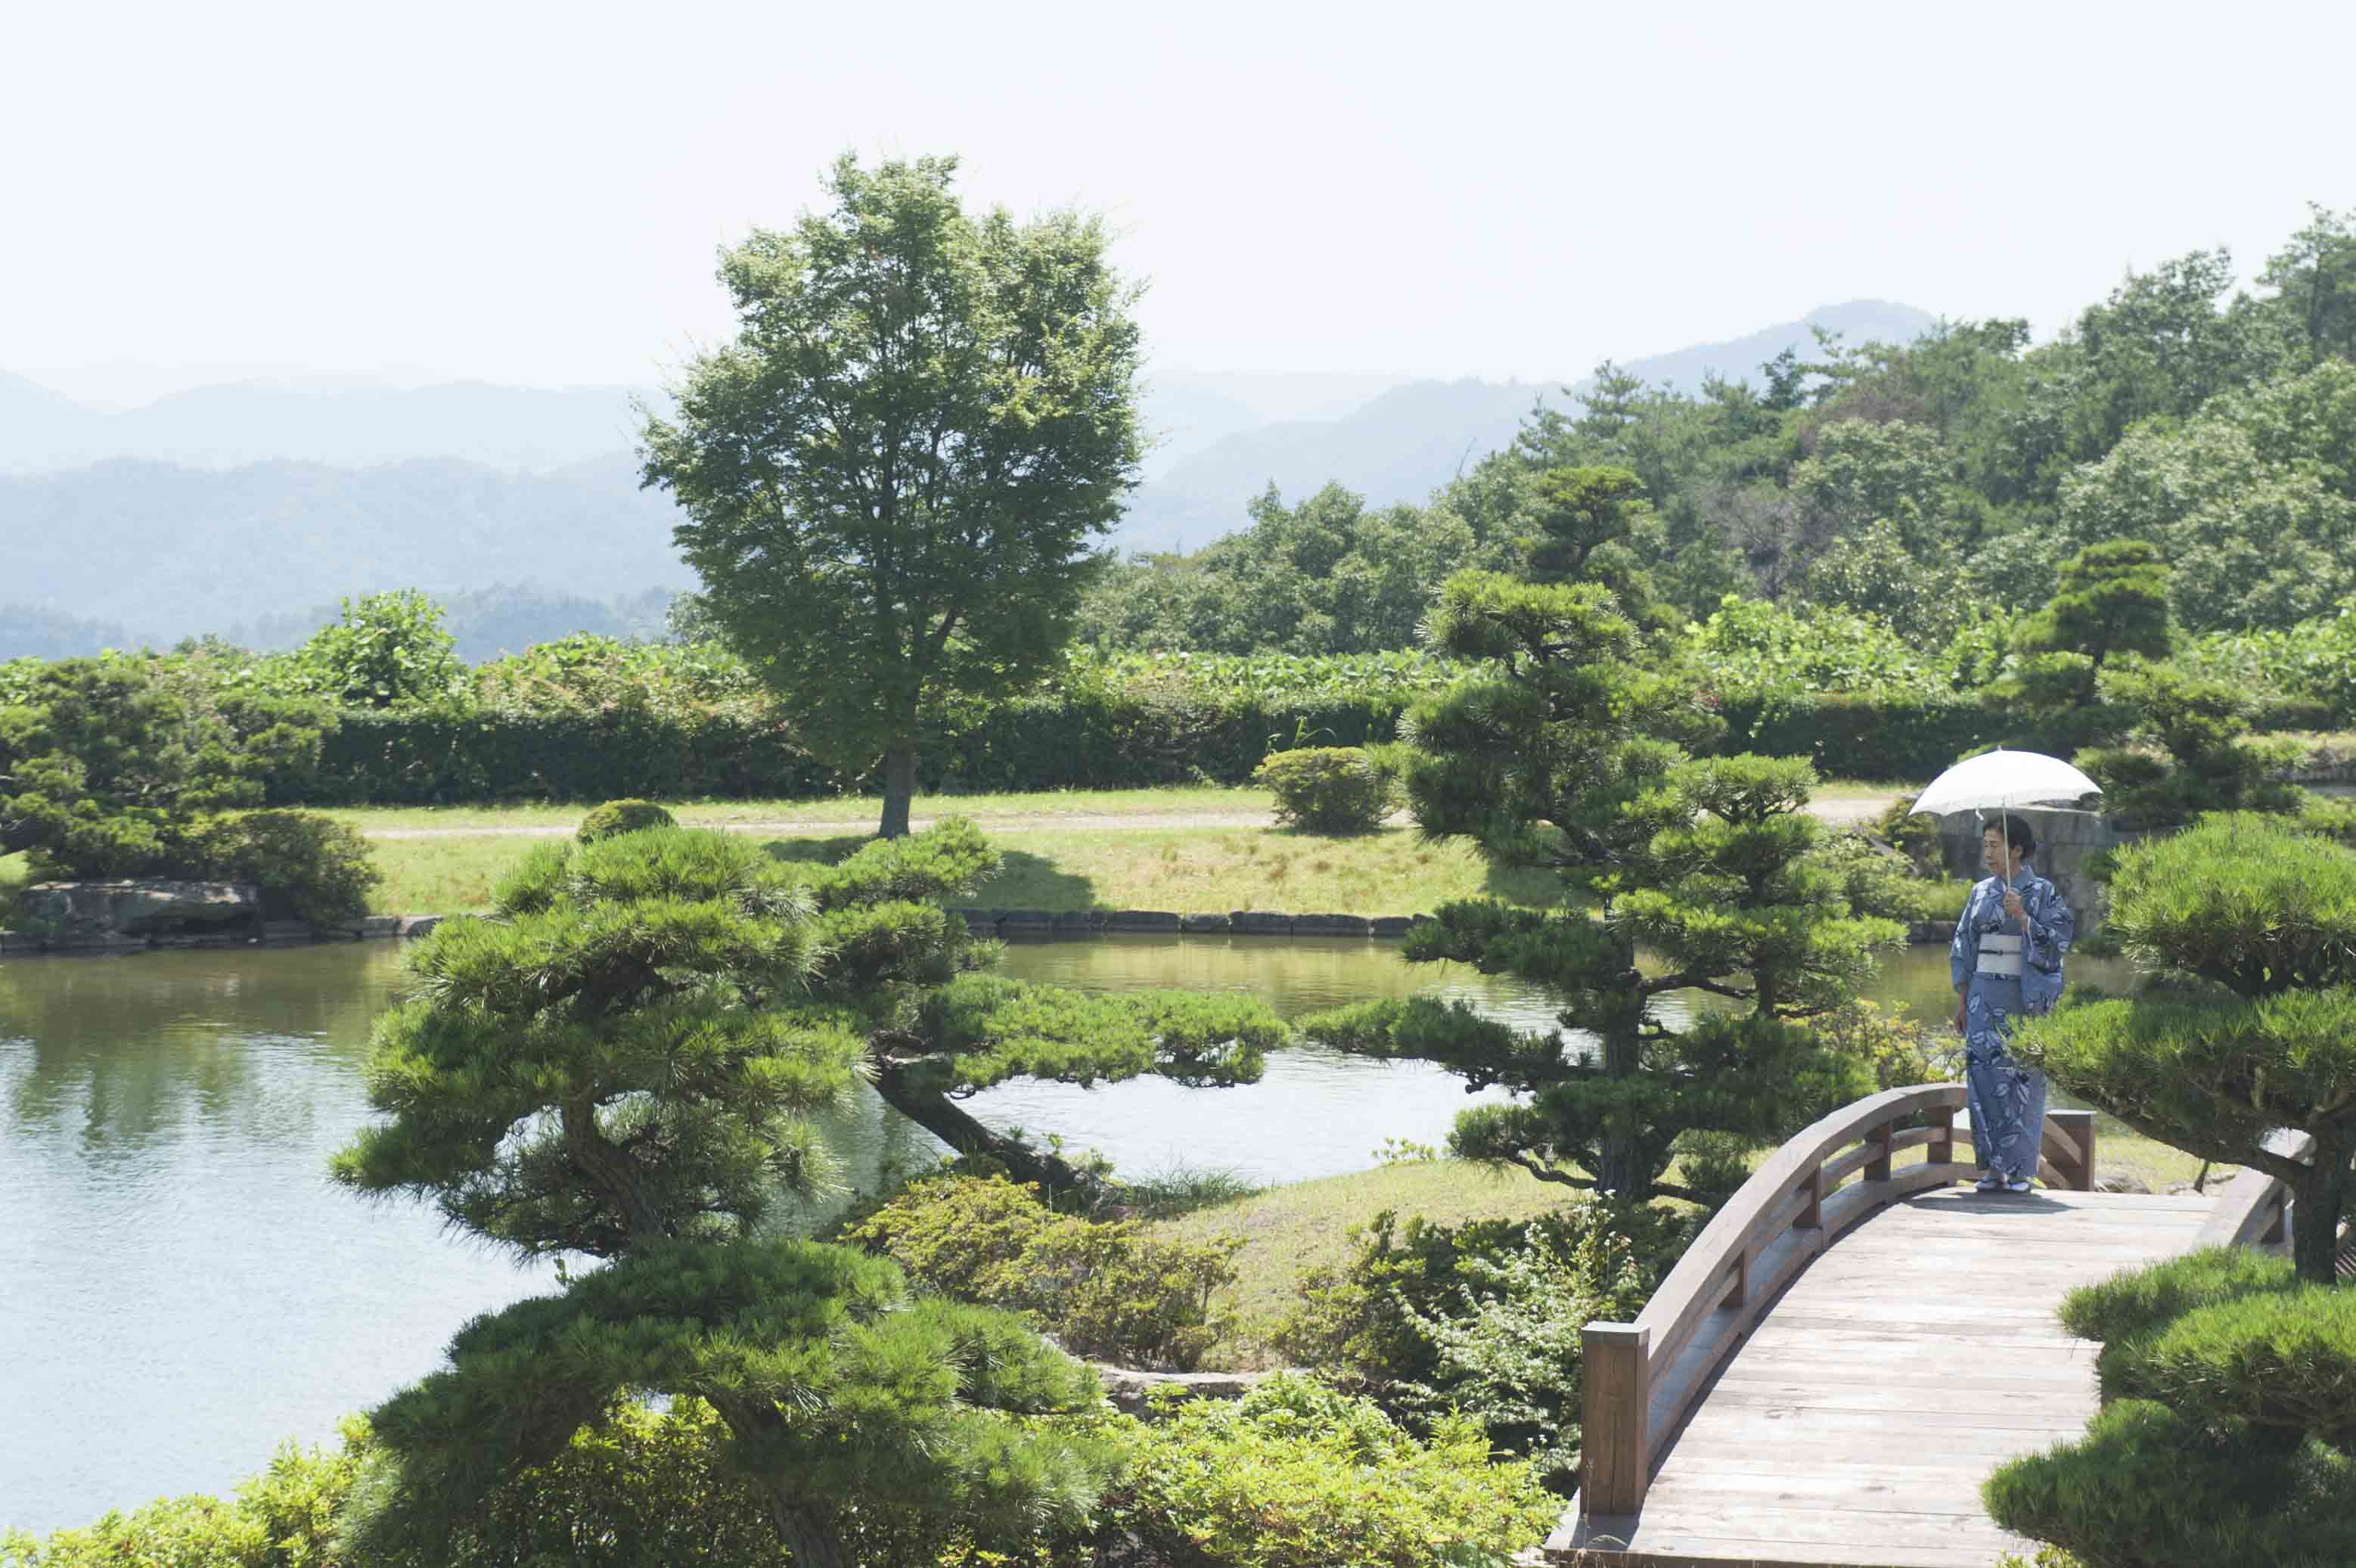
<point x="1482" y="1320"/>
<point x="622" y="817"/>
<point x="1330" y="789"/>
<point x="1104" y="1289"/>
<point x="1296" y="1474"/>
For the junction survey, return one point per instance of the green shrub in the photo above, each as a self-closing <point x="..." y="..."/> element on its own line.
<point x="2230" y="1402"/>
<point x="1373" y="1323"/>
<point x="623" y="817"/>
<point x="386" y="650"/>
<point x="2136" y="1304"/>
<point x="2282" y="1360"/>
<point x="1330" y="789"/>
<point x="2148" y="1486"/>
<point x="1891" y="1041"/>
<point x="1107" y="1290"/>
<point x="1295" y="1475"/>
<point x="1878" y="881"/>
<point x="1915" y="837"/>
<point x="307" y="866"/>
<point x="284" y="1518"/>
<point x="1505" y="1350"/>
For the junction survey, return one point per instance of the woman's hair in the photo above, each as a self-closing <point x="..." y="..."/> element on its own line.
<point x="2016" y="834"/>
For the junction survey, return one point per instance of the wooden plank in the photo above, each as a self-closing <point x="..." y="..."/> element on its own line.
<point x="1708" y="1551"/>
<point x="1765" y="1417"/>
<point x="1929" y="1394"/>
<point x="1852" y="1491"/>
<point x="1818" y="1527"/>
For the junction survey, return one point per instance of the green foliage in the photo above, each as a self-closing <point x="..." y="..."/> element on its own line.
<point x="2252" y="499"/>
<point x="1883" y="883"/>
<point x="106" y="764"/>
<point x="1329" y="575"/>
<point x="2187" y="750"/>
<point x="2148" y="1487"/>
<point x="2229" y="1405"/>
<point x="388" y="651"/>
<point x="1105" y="1290"/>
<point x="1296" y="1475"/>
<point x="307" y="866"/>
<point x="2112" y="599"/>
<point x="840" y="1396"/>
<point x="626" y="1050"/>
<point x="616" y="817"/>
<point x="1373" y="1322"/>
<point x="284" y="1518"/>
<point x="1890" y="1043"/>
<point x="2249" y="1024"/>
<point x="1559" y="754"/>
<point x="1330" y="789"/>
<point x="892" y="475"/>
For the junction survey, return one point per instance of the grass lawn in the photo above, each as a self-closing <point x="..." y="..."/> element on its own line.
<point x="1027" y="808"/>
<point x="14" y="874"/>
<point x="1189" y="870"/>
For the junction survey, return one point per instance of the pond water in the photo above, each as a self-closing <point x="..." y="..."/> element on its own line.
<point x="181" y="1286"/>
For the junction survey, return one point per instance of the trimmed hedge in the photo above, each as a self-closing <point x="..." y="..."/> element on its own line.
<point x="1082" y="742"/>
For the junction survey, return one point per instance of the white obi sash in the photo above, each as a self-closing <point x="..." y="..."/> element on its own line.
<point x="1999" y="955"/>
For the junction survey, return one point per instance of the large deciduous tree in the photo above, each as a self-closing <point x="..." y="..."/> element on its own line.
<point x="892" y="476"/>
<point x="2247" y="1024"/>
<point x="1561" y="752"/>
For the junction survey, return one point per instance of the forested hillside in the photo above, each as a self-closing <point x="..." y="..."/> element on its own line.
<point x="1401" y="443"/>
<point x="1937" y="484"/>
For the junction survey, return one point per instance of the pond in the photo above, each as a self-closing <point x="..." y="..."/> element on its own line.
<point x="181" y="1287"/>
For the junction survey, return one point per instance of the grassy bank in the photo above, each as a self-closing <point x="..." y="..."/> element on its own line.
<point x="1209" y="801"/>
<point x="1291" y="1230"/>
<point x="1188" y="869"/>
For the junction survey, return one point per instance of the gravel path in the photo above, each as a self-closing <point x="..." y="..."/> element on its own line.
<point x="1842" y="813"/>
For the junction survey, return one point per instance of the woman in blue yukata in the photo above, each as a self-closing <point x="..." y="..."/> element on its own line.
<point x="2006" y="963"/>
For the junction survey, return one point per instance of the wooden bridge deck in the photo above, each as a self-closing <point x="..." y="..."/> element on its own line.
<point x="1857" y="1421"/>
<point x="1853" y="1342"/>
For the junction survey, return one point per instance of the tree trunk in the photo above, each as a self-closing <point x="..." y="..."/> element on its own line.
<point x="940" y="1116"/>
<point x="813" y="1543"/>
<point x="899" y="788"/>
<point x="2318" y="1202"/>
<point x="1624" y="1169"/>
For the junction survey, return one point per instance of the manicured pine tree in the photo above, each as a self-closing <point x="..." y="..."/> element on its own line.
<point x="620" y="1061"/>
<point x="1680" y="876"/>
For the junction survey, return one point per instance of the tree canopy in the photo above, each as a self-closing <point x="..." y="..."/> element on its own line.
<point x="892" y="476"/>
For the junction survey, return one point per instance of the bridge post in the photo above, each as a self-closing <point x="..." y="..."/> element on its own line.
<point x="1941" y="1149"/>
<point x="1879" y="1140"/>
<point x="1614" y="1447"/>
<point x="2079" y="1176"/>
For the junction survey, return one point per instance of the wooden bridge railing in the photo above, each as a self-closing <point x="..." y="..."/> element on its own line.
<point x="1642" y="1378"/>
<point x="2253" y="1209"/>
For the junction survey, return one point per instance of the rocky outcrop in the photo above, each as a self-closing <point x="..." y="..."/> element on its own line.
<point x="1133" y="1392"/>
<point x="141" y="908"/>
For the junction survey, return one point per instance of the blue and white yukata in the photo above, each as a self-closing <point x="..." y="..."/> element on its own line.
<point x="2014" y="970"/>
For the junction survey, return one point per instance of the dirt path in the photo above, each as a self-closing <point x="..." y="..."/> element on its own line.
<point x="1841" y="813"/>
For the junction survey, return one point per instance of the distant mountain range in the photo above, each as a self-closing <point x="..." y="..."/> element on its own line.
<point x="248" y="505"/>
<point x="229" y="426"/>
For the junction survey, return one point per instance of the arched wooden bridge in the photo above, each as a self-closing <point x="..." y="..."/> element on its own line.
<point x="1854" y="1343"/>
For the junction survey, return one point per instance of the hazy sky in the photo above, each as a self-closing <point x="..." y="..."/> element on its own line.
<point x="534" y="193"/>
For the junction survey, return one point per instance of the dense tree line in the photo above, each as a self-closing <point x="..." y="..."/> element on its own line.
<point x="1931" y="483"/>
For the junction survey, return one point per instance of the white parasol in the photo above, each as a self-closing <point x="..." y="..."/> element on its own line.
<point x="2003" y="781"/>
